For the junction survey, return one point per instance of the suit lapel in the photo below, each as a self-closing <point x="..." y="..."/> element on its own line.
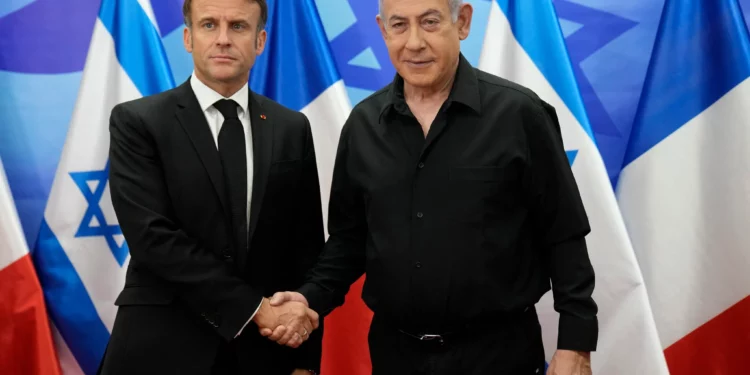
<point x="191" y="117"/>
<point x="262" y="127"/>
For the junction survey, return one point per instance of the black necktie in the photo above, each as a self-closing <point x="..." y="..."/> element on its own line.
<point x="234" y="162"/>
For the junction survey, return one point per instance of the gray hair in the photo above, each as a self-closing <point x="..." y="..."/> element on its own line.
<point x="454" y="6"/>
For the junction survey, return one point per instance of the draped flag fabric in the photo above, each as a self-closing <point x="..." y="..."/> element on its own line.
<point x="297" y="69"/>
<point x="26" y="346"/>
<point x="685" y="189"/>
<point x="524" y="44"/>
<point x="81" y="255"/>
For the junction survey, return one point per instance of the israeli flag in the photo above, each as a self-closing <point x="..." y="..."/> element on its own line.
<point x="685" y="189"/>
<point x="524" y="44"/>
<point x="297" y="69"/>
<point x="81" y="255"/>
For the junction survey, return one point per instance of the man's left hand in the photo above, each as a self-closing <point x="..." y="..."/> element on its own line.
<point x="568" y="362"/>
<point x="300" y="371"/>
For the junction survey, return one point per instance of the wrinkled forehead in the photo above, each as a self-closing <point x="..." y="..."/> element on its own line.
<point x="414" y="8"/>
<point x="231" y="10"/>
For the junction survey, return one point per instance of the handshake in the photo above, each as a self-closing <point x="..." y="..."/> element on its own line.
<point x="286" y="319"/>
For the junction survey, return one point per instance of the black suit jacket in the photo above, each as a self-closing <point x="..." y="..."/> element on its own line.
<point x="188" y="290"/>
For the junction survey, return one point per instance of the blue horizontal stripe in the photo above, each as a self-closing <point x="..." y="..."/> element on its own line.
<point x="68" y="302"/>
<point x="138" y="45"/>
<point x="702" y="51"/>
<point x="537" y="29"/>
<point x="297" y="64"/>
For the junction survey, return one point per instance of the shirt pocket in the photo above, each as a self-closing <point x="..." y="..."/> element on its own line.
<point x="481" y="192"/>
<point x="484" y="182"/>
<point x="478" y="174"/>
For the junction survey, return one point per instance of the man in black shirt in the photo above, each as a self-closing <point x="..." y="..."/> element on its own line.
<point x="453" y="192"/>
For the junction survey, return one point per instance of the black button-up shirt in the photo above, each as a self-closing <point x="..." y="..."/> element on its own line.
<point x="469" y="222"/>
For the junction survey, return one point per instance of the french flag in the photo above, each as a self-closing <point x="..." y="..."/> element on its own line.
<point x="297" y="69"/>
<point x="685" y="187"/>
<point x="524" y="43"/>
<point x="81" y="255"/>
<point x="26" y="346"/>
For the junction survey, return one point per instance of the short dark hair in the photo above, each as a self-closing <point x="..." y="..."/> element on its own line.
<point x="187" y="12"/>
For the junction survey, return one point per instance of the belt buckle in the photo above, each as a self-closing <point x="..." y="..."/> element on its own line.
<point x="430" y="337"/>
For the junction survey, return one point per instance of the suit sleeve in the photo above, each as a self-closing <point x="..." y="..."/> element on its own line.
<point x="343" y="259"/>
<point x="562" y="225"/>
<point x="156" y="241"/>
<point x="311" y="240"/>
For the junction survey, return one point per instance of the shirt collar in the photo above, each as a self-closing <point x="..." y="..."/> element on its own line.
<point x="207" y="96"/>
<point x="465" y="89"/>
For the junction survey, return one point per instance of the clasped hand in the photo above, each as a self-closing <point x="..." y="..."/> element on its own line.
<point x="286" y="319"/>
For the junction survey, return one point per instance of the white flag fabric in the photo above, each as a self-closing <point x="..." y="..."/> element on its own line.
<point x="524" y="44"/>
<point x="81" y="253"/>
<point x="685" y="188"/>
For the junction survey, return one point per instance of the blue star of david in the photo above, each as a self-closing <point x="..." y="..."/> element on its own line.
<point x="598" y="28"/>
<point x="94" y="224"/>
<point x="353" y="41"/>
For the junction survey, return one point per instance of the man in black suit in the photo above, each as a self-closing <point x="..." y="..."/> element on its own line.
<point x="452" y="191"/>
<point x="214" y="186"/>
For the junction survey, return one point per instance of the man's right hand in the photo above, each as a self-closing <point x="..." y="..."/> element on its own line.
<point x="291" y="322"/>
<point x="280" y="299"/>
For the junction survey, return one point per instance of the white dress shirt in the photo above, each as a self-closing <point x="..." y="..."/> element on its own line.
<point x="206" y="98"/>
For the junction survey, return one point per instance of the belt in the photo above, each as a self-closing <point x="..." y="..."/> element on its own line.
<point x="440" y="338"/>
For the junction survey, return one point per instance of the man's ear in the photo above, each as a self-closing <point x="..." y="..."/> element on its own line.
<point x="187" y="40"/>
<point x="260" y="42"/>
<point x="381" y="25"/>
<point x="464" y="20"/>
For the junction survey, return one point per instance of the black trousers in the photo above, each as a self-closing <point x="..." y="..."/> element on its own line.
<point x="241" y="357"/>
<point x="512" y="346"/>
<point x="227" y="361"/>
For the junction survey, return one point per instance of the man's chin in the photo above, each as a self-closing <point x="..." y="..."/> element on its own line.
<point x="420" y="80"/>
<point x="224" y="75"/>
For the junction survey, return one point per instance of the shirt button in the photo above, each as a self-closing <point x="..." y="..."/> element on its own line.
<point x="418" y="265"/>
<point x="419" y="215"/>
<point x="420" y="165"/>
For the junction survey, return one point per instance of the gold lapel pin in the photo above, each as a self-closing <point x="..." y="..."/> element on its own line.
<point x="262" y="116"/>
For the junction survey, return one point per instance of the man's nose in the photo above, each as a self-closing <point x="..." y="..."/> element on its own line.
<point x="223" y="38"/>
<point x="416" y="38"/>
